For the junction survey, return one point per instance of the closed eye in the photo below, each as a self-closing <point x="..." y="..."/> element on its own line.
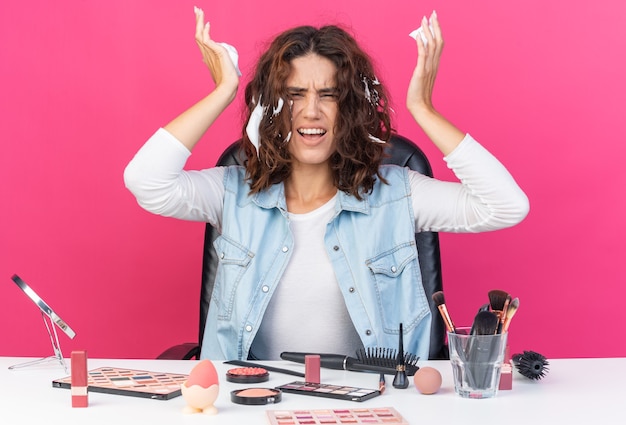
<point x="330" y="93"/>
<point x="296" y="93"/>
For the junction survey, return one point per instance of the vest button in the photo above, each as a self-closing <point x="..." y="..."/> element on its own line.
<point x="336" y="248"/>
<point x="285" y="249"/>
<point x="368" y="332"/>
<point x="352" y="289"/>
<point x="222" y="255"/>
<point x="248" y="328"/>
<point x="393" y="269"/>
<point x="265" y="288"/>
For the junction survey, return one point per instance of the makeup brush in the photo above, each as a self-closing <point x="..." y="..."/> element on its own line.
<point x="504" y="312"/>
<point x="485" y="323"/>
<point x="510" y="313"/>
<point x="440" y="302"/>
<point x="400" y="380"/>
<point x="484" y="307"/>
<point x="479" y="349"/>
<point x="381" y="383"/>
<point x="497" y="299"/>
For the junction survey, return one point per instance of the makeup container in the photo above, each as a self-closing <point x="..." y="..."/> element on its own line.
<point x="256" y="396"/>
<point x="476" y="361"/>
<point x="506" y="373"/>
<point x="247" y="375"/>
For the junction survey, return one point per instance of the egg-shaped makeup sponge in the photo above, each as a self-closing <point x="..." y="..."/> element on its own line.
<point x="203" y="374"/>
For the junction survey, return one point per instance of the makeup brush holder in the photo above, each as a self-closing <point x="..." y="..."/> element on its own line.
<point x="476" y="362"/>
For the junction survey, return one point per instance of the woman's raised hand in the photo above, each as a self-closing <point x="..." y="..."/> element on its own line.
<point x="420" y="91"/>
<point x="190" y="126"/>
<point x="215" y="55"/>
<point x="419" y="99"/>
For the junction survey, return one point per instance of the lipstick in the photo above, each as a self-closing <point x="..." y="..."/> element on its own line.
<point x="79" y="379"/>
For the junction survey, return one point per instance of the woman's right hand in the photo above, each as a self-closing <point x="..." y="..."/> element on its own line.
<point x="191" y="125"/>
<point x="215" y="56"/>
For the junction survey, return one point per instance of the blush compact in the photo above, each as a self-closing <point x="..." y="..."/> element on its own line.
<point x="256" y="396"/>
<point x="247" y="375"/>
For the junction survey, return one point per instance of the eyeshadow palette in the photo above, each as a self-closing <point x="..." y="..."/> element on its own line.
<point x="340" y="392"/>
<point x="376" y="415"/>
<point x="136" y="383"/>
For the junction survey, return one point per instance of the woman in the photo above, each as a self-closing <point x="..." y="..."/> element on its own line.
<point x="316" y="245"/>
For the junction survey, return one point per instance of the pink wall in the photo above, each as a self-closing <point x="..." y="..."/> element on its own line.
<point x="540" y="83"/>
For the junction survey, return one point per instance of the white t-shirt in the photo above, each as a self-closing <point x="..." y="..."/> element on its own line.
<point x="307" y="293"/>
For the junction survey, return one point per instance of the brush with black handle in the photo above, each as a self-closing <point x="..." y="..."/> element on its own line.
<point x="367" y="361"/>
<point x="481" y="350"/>
<point x="387" y="357"/>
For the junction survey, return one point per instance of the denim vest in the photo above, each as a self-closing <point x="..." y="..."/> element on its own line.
<point x="370" y="243"/>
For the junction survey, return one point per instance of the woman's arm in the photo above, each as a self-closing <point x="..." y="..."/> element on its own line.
<point x="156" y="176"/>
<point x="487" y="197"/>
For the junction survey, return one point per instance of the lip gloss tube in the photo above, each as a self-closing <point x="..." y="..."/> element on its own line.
<point x="312" y="368"/>
<point x="79" y="379"/>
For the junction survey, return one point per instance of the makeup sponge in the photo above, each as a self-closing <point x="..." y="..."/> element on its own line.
<point x="201" y="389"/>
<point x="427" y="380"/>
<point x="203" y="374"/>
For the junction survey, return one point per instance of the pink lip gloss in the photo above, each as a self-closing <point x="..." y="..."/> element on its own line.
<point x="312" y="368"/>
<point x="79" y="379"/>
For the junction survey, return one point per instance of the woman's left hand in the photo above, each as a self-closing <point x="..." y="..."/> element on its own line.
<point x="420" y="91"/>
<point x="419" y="99"/>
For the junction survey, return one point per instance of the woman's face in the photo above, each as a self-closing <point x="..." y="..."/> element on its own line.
<point x="313" y="93"/>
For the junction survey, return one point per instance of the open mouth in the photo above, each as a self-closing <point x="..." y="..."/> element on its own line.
<point x="311" y="131"/>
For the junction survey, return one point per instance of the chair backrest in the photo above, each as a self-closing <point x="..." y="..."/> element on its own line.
<point x="401" y="152"/>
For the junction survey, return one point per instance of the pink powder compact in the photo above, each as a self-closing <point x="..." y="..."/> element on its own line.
<point x="247" y="375"/>
<point x="256" y="396"/>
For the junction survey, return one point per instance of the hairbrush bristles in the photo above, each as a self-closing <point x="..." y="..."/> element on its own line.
<point x="387" y="357"/>
<point x="530" y="364"/>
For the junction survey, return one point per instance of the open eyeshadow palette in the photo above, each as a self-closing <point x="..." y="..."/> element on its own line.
<point x="136" y="383"/>
<point x="330" y="391"/>
<point x="375" y="415"/>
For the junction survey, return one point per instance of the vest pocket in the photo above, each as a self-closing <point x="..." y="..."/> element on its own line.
<point x="233" y="260"/>
<point x="398" y="284"/>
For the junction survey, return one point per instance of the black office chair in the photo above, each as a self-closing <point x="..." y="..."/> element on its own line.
<point x="401" y="152"/>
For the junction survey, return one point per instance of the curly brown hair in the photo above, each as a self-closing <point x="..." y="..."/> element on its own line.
<point x="363" y="110"/>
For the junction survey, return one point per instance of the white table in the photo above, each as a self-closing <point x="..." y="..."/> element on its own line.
<point x="575" y="391"/>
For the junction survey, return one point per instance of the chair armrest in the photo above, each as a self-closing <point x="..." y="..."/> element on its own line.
<point x="186" y="351"/>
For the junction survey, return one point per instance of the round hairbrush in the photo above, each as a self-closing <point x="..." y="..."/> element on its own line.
<point x="530" y="364"/>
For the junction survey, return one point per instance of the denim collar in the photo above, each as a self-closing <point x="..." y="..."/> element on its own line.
<point x="274" y="197"/>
